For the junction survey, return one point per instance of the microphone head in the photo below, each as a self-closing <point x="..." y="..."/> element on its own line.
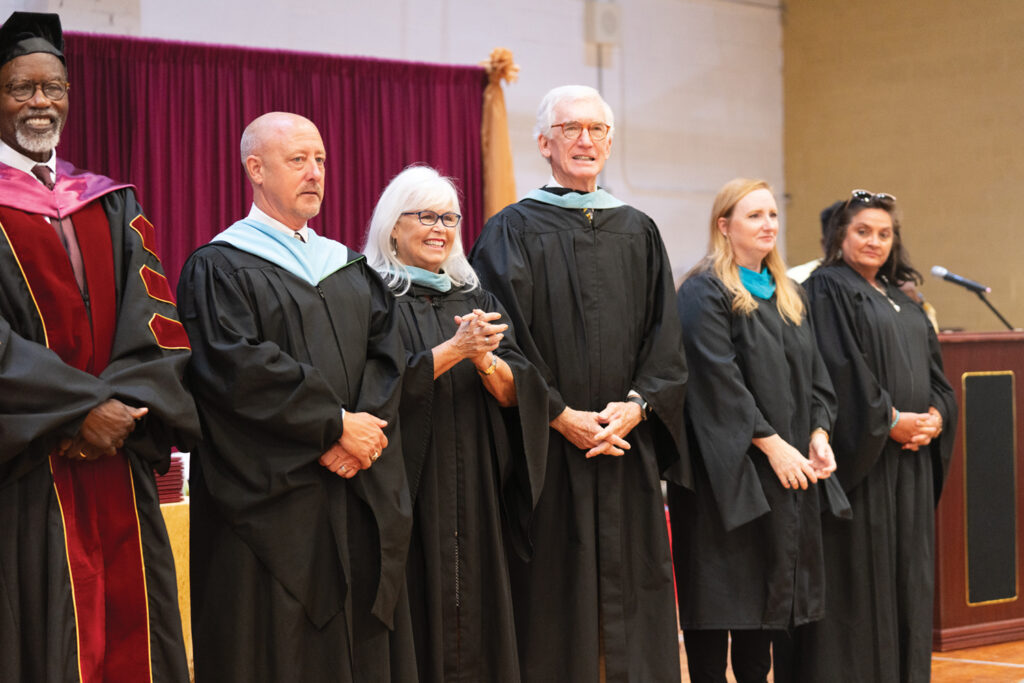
<point x="939" y="271"/>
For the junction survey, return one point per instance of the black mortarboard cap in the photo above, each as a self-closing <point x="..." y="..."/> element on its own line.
<point x="26" y="32"/>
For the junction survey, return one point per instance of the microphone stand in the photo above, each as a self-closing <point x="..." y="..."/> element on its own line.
<point x="981" y="295"/>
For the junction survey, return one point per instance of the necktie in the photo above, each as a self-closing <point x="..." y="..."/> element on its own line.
<point x="65" y="230"/>
<point x="298" y="236"/>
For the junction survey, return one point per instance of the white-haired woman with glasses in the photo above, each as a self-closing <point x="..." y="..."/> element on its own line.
<point x="893" y="440"/>
<point x="475" y="467"/>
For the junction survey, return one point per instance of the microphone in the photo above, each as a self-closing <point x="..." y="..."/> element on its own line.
<point x="939" y="271"/>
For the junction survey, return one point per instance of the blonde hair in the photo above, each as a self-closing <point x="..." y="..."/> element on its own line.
<point x="721" y="260"/>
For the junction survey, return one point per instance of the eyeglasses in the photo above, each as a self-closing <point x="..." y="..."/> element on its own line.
<point x="572" y="130"/>
<point x="867" y="196"/>
<point x="23" y="91"/>
<point x="428" y="218"/>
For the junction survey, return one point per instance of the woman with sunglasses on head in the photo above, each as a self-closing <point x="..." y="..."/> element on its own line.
<point x="759" y="409"/>
<point x="474" y="469"/>
<point x="893" y="441"/>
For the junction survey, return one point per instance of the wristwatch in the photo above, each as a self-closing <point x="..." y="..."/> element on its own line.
<point x="636" y="398"/>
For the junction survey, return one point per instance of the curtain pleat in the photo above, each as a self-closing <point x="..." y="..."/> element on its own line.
<point x="168" y="117"/>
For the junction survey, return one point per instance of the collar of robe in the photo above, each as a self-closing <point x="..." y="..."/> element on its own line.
<point x="598" y="199"/>
<point x="312" y="261"/>
<point x="439" y="282"/>
<point x="761" y="284"/>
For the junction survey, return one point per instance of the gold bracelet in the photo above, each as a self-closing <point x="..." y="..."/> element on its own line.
<point x="490" y="368"/>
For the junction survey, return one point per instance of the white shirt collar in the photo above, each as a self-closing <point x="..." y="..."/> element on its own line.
<point x="16" y="159"/>
<point x="552" y="182"/>
<point x="256" y="214"/>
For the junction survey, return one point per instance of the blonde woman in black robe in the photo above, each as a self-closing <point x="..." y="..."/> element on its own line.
<point x="747" y="539"/>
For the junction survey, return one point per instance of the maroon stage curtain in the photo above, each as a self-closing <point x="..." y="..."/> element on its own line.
<point x="168" y="117"/>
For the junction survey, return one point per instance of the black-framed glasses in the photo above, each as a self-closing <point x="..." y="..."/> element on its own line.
<point x="573" y="129"/>
<point x="867" y="196"/>
<point x="23" y="91"/>
<point x="449" y="219"/>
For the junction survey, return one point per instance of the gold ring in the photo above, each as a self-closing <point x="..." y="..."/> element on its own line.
<point x="373" y="458"/>
<point x="82" y="455"/>
<point x="344" y="468"/>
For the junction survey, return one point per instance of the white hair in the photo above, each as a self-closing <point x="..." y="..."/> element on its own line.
<point x="568" y="93"/>
<point x="414" y="189"/>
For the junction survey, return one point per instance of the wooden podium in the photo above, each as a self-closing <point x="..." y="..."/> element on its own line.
<point x="979" y="558"/>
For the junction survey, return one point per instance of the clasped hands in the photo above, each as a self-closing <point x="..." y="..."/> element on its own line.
<point x="103" y="431"/>
<point x="791" y="467"/>
<point x="914" y="430"/>
<point x="361" y="443"/>
<point x="477" y="336"/>
<point x="599" y="433"/>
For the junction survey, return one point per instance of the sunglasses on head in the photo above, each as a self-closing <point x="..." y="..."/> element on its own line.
<point x="868" y="196"/>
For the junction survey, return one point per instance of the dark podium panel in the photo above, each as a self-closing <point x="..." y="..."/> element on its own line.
<point x="979" y="559"/>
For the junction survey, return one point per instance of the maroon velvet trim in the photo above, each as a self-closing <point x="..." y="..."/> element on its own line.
<point x="49" y="276"/>
<point x="168" y="332"/>
<point x="156" y="285"/>
<point x="147" y="232"/>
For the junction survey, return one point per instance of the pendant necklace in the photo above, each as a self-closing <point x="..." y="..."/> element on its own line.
<point x="881" y="290"/>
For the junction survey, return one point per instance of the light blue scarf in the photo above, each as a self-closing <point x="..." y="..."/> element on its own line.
<point x="598" y="199"/>
<point x="311" y="261"/>
<point x="759" y="284"/>
<point x="439" y="282"/>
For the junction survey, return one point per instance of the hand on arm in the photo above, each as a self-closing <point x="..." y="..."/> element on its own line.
<point x="792" y="469"/>
<point x="339" y="461"/>
<point x="362" y="438"/>
<point x="103" y="431"/>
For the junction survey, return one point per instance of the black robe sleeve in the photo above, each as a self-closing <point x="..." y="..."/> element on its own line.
<point x="502" y="261"/>
<point x="944" y="400"/>
<point x="722" y="413"/>
<point x="862" y="427"/>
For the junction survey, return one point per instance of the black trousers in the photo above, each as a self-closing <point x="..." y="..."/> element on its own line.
<point x="706" y="652"/>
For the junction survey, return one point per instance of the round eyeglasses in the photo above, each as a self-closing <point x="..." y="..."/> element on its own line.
<point x="23" y="91"/>
<point x="449" y="219"/>
<point x="573" y="129"/>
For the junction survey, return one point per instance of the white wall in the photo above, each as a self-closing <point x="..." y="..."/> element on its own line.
<point x="696" y="85"/>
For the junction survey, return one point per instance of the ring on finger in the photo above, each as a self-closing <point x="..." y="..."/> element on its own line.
<point x="373" y="458"/>
<point x="344" y="469"/>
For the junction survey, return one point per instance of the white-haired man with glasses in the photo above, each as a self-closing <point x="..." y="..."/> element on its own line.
<point x="588" y="288"/>
<point x="91" y="398"/>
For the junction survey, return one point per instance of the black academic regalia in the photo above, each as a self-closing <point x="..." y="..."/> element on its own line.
<point x="747" y="551"/>
<point x="878" y="623"/>
<point x="58" y="360"/>
<point x="590" y="295"/>
<point x="297" y="573"/>
<point x="474" y="483"/>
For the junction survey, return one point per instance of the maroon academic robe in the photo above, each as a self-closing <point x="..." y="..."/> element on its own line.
<point x="87" y="583"/>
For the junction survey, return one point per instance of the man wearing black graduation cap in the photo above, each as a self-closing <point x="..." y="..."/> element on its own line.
<point x="588" y="288"/>
<point x="91" y="399"/>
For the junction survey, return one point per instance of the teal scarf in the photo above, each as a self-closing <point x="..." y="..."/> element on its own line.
<point x="439" y="282"/>
<point x="598" y="199"/>
<point x="761" y="285"/>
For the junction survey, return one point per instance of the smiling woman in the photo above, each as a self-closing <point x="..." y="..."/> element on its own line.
<point x="462" y="366"/>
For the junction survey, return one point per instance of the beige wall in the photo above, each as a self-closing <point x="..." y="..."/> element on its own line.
<point x="923" y="99"/>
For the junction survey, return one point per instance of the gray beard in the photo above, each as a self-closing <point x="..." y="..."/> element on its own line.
<point x="38" y="143"/>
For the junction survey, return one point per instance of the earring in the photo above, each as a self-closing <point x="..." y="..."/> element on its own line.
<point x="394" y="247"/>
